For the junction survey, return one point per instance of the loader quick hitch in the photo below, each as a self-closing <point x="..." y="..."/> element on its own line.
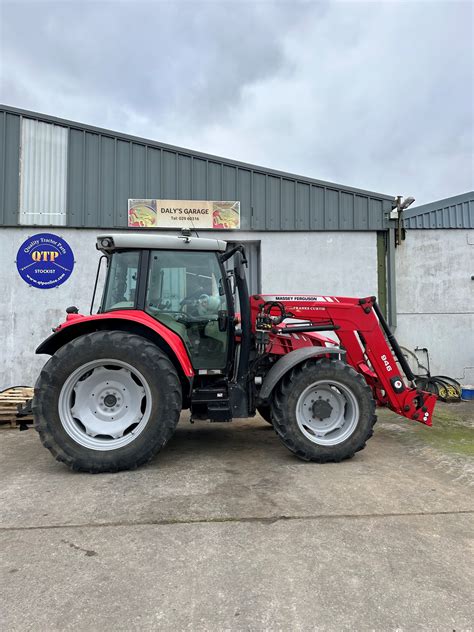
<point x="419" y="406"/>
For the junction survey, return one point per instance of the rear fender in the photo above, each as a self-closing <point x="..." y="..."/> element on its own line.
<point x="290" y="360"/>
<point x="134" y="322"/>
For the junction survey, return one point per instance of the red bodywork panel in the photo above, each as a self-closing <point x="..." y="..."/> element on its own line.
<point x="360" y="334"/>
<point x="142" y="318"/>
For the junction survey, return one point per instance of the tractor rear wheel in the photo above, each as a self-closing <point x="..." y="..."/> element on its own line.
<point x="323" y="411"/>
<point x="107" y="401"/>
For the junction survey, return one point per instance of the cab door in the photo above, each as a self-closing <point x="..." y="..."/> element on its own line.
<point x="188" y="294"/>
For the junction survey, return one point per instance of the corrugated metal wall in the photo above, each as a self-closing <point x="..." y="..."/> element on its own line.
<point x="43" y="162"/>
<point x="106" y="169"/>
<point x="455" y="212"/>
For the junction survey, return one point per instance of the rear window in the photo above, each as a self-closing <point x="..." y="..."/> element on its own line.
<point x="121" y="283"/>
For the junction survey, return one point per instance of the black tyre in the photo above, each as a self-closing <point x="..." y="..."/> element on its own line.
<point x="107" y="401"/>
<point x="323" y="411"/>
<point x="266" y="413"/>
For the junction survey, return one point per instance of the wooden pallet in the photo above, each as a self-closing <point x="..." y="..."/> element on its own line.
<point x="10" y="401"/>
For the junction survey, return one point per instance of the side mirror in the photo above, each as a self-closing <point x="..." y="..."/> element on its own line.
<point x="222" y="320"/>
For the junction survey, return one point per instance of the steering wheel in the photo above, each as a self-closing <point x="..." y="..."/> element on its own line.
<point x="158" y="305"/>
<point x="161" y="308"/>
<point x="188" y="300"/>
<point x="189" y="319"/>
<point x="180" y="317"/>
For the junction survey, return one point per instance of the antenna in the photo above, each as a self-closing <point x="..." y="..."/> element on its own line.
<point x="192" y="225"/>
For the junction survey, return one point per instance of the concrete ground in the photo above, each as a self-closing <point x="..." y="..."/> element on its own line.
<point x="226" y="530"/>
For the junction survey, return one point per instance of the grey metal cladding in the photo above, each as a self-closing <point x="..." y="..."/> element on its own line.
<point x="453" y="212"/>
<point x="106" y="168"/>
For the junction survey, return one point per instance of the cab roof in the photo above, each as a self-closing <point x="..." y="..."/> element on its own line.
<point x="109" y="242"/>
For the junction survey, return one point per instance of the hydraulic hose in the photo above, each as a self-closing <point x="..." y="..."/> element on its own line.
<point x="447" y="389"/>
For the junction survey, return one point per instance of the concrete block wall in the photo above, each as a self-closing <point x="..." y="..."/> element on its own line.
<point x="435" y="298"/>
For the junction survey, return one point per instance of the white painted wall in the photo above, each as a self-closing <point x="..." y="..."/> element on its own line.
<point x="435" y="298"/>
<point x="323" y="263"/>
<point x="27" y="314"/>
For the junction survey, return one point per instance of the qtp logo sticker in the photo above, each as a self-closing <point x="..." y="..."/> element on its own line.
<point x="45" y="261"/>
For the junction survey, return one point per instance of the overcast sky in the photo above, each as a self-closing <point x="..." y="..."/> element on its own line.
<point x="377" y="95"/>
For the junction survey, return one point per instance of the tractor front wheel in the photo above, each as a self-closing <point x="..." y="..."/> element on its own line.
<point x="107" y="401"/>
<point x="323" y="411"/>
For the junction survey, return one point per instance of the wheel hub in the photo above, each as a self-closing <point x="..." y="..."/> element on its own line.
<point x="322" y="409"/>
<point x="111" y="400"/>
<point x="327" y="412"/>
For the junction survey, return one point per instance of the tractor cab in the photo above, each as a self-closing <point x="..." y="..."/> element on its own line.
<point x="184" y="288"/>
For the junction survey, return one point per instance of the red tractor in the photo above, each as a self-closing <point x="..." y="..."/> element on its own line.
<point x="167" y="337"/>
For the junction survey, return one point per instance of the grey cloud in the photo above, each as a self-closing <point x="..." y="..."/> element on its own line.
<point x="190" y="58"/>
<point x="375" y="95"/>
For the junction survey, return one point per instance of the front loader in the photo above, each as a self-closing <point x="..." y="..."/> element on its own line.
<point x="167" y="337"/>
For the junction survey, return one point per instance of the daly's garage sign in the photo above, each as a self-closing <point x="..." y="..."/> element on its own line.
<point x="45" y="261"/>
<point x="183" y="214"/>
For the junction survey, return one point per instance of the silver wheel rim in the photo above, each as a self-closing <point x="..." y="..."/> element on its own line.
<point x="327" y="412"/>
<point x="104" y="404"/>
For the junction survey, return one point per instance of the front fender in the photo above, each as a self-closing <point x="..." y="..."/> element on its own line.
<point x="130" y="321"/>
<point x="288" y="361"/>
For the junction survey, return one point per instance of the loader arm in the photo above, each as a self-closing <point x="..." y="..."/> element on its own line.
<point x="370" y="347"/>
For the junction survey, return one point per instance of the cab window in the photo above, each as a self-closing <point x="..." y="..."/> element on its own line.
<point x="186" y="294"/>
<point x="122" y="281"/>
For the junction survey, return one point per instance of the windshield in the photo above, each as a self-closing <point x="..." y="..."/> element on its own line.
<point x="121" y="281"/>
